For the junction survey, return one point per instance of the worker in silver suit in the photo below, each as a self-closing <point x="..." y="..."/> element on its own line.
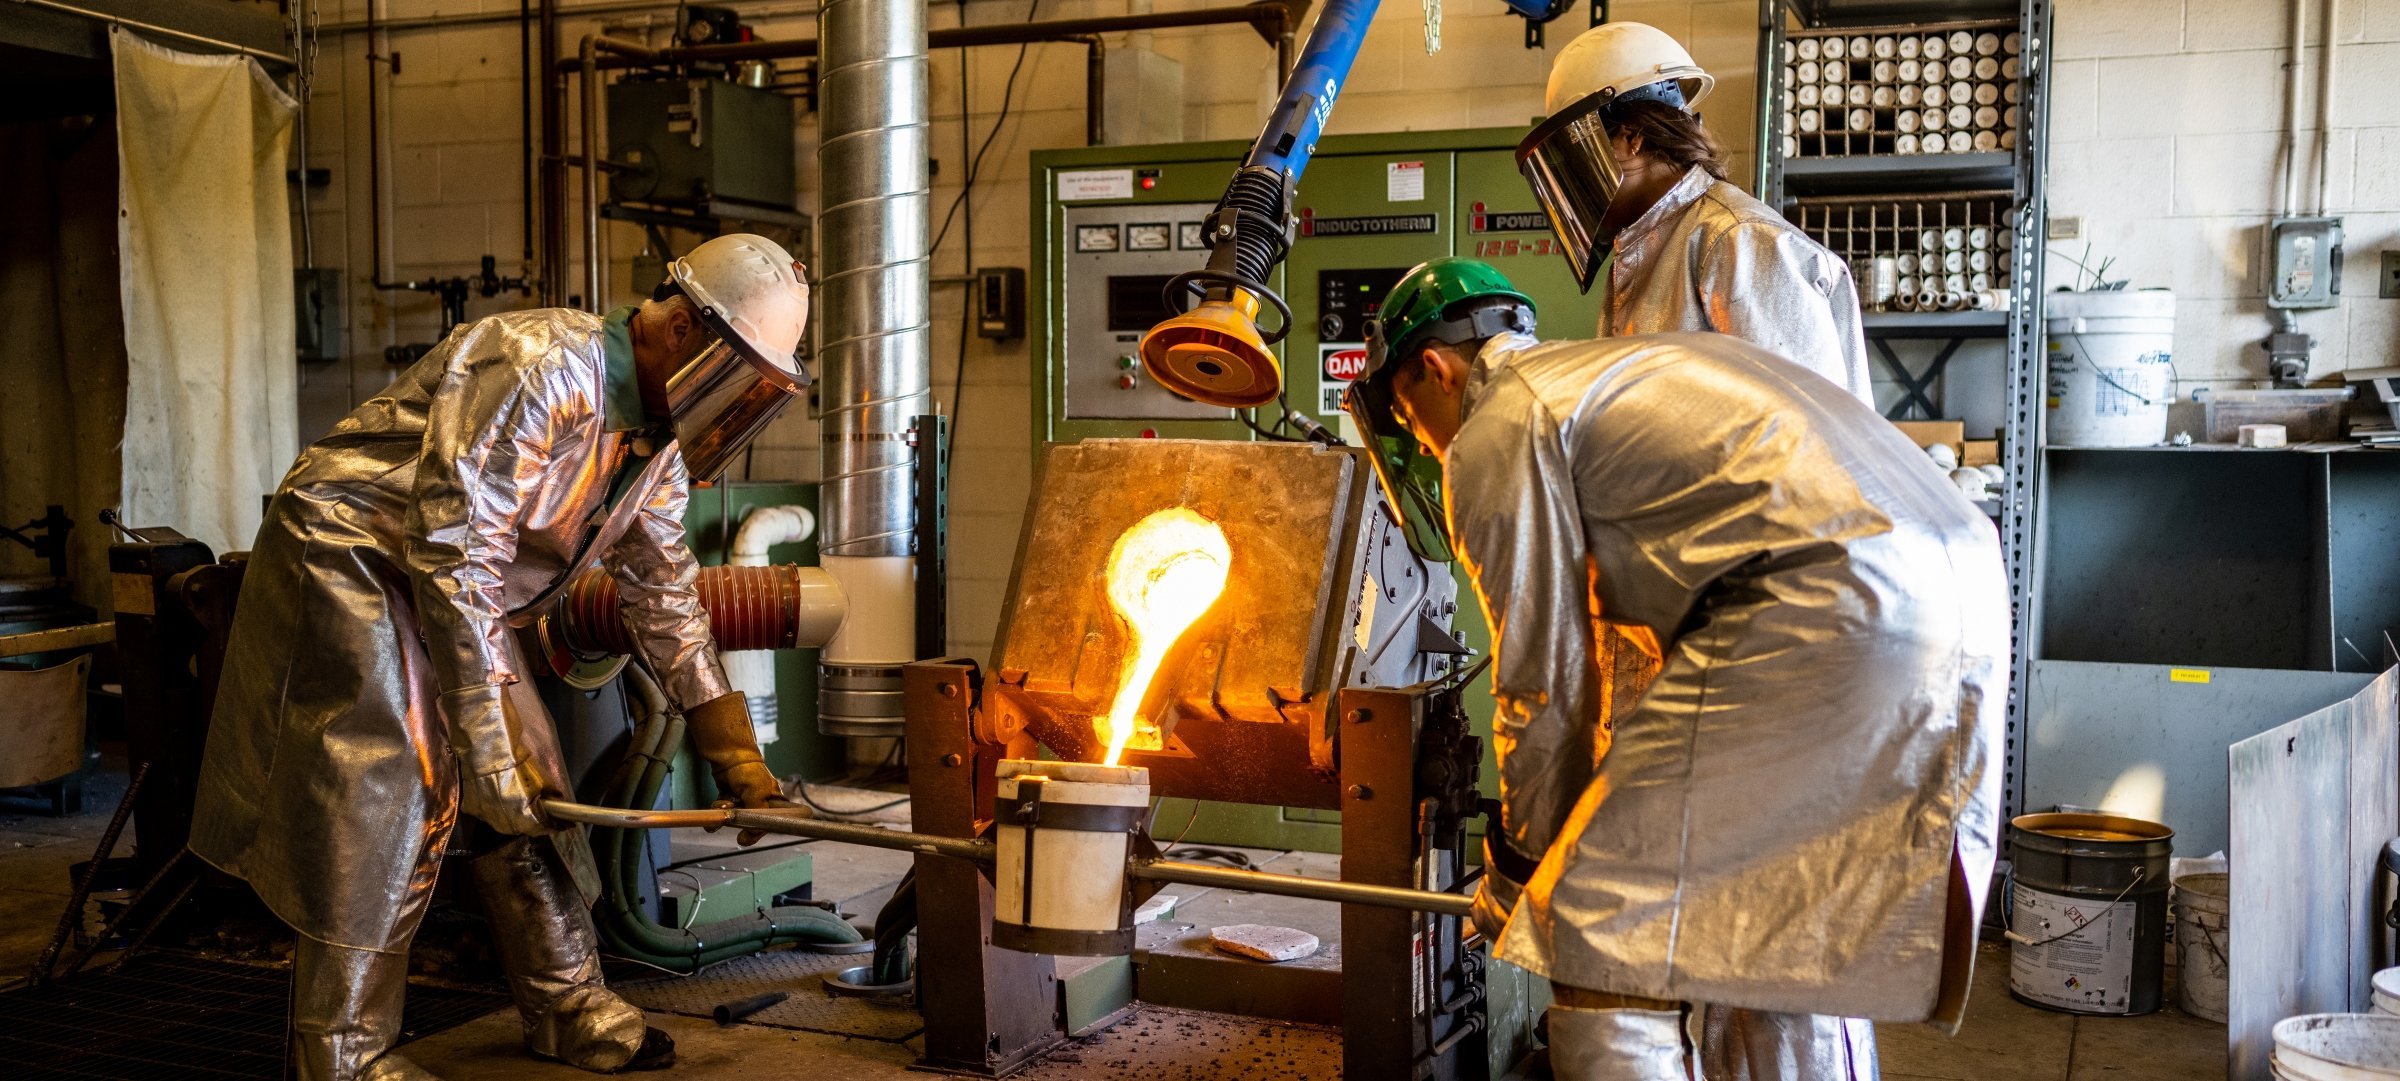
<point x="373" y="690"/>
<point x="1795" y="823"/>
<point x="1632" y="183"/>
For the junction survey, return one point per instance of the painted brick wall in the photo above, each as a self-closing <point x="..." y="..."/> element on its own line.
<point x="2165" y="130"/>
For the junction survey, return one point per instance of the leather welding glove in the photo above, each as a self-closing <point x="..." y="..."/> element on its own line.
<point x="721" y="732"/>
<point x="1496" y="894"/>
<point x="499" y="780"/>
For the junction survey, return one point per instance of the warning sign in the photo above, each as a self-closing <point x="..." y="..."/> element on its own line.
<point x="2072" y="953"/>
<point x="1345" y="364"/>
<point x="1337" y="364"/>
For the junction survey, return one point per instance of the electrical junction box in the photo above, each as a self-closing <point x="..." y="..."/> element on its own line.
<point x="317" y="313"/>
<point x="688" y="142"/>
<point x="2304" y="262"/>
<point x="1112" y="224"/>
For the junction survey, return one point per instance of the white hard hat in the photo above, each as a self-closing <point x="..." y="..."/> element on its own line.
<point x="1621" y="57"/>
<point x="751" y="286"/>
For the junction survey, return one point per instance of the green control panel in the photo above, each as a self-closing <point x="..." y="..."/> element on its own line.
<point x="1112" y="224"/>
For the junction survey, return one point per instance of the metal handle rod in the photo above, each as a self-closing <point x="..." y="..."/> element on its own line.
<point x="1349" y="893"/>
<point x="795" y="823"/>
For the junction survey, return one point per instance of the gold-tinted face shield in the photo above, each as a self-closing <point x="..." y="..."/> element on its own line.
<point x="720" y="398"/>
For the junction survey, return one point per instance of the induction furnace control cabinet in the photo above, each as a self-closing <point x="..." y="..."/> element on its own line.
<point x="1113" y="224"/>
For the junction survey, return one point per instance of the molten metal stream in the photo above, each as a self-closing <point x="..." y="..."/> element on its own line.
<point x="1162" y="575"/>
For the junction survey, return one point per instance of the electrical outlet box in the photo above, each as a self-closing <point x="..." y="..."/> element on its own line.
<point x="2387" y="284"/>
<point x="1000" y="303"/>
<point x="2304" y="262"/>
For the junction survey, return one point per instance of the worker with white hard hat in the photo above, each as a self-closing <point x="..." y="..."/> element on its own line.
<point x="1632" y="183"/>
<point x="373" y="690"/>
<point x="1797" y="813"/>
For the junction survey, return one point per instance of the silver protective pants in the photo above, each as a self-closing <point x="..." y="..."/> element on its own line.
<point x="1753" y="1045"/>
<point x="346" y="1002"/>
<point x="1617" y="1044"/>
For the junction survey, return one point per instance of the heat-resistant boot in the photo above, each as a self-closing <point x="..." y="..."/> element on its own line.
<point x="552" y="958"/>
<point x="1616" y="1044"/>
<point x="1754" y="1045"/>
<point x="346" y="1014"/>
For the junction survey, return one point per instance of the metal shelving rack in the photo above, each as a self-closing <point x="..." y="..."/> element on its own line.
<point x="1827" y="179"/>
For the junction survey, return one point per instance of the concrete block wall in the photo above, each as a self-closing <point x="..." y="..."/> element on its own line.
<point x="2165" y="131"/>
<point x="454" y="161"/>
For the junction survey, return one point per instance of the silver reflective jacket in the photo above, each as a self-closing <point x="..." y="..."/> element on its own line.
<point x="380" y="581"/>
<point x="1775" y="822"/>
<point x="1707" y="257"/>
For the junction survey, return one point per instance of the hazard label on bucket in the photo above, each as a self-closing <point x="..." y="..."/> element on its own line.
<point x="2074" y="953"/>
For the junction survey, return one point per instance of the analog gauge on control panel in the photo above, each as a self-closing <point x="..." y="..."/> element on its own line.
<point x="1149" y="236"/>
<point x="1090" y="238"/>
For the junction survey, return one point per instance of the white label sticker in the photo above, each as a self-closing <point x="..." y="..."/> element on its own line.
<point x="2075" y="952"/>
<point x="1404" y="181"/>
<point x="1095" y="184"/>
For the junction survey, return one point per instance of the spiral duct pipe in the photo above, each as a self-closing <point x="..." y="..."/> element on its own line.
<point x="779" y="607"/>
<point x="873" y="291"/>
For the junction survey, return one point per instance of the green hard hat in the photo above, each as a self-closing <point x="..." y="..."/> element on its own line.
<point x="1434" y="298"/>
<point x="1427" y="299"/>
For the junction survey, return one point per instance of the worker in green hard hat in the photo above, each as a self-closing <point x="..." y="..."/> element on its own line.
<point x="1787" y="822"/>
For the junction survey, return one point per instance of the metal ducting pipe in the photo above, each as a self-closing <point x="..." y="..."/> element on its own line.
<point x="873" y="290"/>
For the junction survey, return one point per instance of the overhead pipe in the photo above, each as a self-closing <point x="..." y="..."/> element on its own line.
<point x="1274" y="22"/>
<point x="593" y="45"/>
<point x="2325" y="110"/>
<point x="2291" y="111"/>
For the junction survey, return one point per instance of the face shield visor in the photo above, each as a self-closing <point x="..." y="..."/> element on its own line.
<point x="1574" y="173"/>
<point x="1411" y="479"/>
<point x="719" y="397"/>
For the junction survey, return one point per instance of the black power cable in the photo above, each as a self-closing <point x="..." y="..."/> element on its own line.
<point x="964" y="203"/>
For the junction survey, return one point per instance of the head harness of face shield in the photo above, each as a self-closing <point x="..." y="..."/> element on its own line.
<point x="1567" y="158"/>
<point x="741" y="367"/>
<point x="1451" y="301"/>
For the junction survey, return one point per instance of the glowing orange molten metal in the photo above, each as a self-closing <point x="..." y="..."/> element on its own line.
<point x="1162" y="575"/>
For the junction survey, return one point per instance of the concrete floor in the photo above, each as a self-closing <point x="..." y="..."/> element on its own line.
<point x="2003" y="1040"/>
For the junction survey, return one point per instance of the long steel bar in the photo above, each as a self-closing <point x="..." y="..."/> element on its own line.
<point x="43" y="641"/>
<point x="1349" y="893"/>
<point x="168" y="31"/>
<point x="795" y="824"/>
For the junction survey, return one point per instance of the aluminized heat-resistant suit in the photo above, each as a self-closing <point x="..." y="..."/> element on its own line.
<point x="1799" y="817"/>
<point x="372" y="673"/>
<point x="1707" y="257"/>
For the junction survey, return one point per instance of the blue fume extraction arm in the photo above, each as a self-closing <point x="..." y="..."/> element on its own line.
<point x="1216" y="353"/>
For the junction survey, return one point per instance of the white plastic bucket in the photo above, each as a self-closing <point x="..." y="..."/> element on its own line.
<point x="2384" y="991"/>
<point x="2202" y="902"/>
<point x="2337" y="1047"/>
<point x="2111" y="365"/>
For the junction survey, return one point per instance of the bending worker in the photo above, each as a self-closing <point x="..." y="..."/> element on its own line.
<point x="1796" y="822"/>
<point x="1632" y="182"/>
<point x="372" y="689"/>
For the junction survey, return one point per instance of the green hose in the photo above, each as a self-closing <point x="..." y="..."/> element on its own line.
<point x="624" y="927"/>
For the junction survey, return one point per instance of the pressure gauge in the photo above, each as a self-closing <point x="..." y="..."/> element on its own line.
<point x="1149" y="236"/>
<point x="1095" y="238"/>
<point x="1188" y="237"/>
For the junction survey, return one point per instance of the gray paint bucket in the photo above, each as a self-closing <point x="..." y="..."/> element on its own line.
<point x="2203" y="914"/>
<point x="2088" y="912"/>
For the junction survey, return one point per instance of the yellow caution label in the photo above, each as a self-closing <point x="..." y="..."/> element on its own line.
<point x="2187" y="675"/>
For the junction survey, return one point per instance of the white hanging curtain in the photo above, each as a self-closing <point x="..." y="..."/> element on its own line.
<point x="204" y="237"/>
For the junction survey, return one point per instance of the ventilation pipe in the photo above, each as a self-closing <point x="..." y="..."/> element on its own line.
<point x="752" y="671"/>
<point x="873" y="290"/>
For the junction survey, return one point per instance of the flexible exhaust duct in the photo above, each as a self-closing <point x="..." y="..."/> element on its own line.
<point x="873" y="287"/>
